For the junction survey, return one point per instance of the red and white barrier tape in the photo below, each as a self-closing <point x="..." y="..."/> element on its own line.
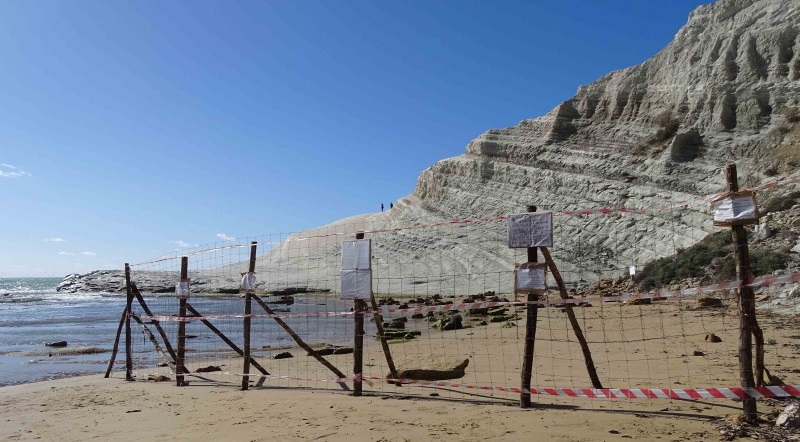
<point x="688" y="293"/>
<point x="791" y="179"/>
<point x="600" y="211"/>
<point x="591" y="393"/>
<point x="631" y="393"/>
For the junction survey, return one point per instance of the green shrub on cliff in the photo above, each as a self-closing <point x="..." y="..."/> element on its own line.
<point x="713" y="256"/>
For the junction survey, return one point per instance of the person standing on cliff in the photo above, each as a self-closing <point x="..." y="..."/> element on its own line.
<point x="381" y="207"/>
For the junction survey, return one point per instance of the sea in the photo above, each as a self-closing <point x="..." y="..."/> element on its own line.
<point x="33" y="314"/>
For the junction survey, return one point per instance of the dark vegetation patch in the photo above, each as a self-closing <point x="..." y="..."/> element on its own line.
<point x="687" y="262"/>
<point x="713" y="258"/>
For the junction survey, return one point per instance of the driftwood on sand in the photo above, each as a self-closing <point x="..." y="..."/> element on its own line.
<point x="422" y="374"/>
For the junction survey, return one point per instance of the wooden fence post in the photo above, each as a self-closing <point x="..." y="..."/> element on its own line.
<point x="128" y="338"/>
<point x="358" y="345"/>
<point x="182" y="325"/>
<point x="248" y="310"/>
<point x="531" y="317"/>
<point x="747" y="306"/>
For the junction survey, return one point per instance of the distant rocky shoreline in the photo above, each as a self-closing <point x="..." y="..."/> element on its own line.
<point x="113" y="281"/>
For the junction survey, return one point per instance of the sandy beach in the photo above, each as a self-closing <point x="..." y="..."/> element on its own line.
<point x="212" y="407"/>
<point x="91" y="407"/>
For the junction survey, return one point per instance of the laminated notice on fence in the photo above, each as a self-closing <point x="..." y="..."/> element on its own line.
<point x="530" y="230"/>
<point x="182" y="289"/>
<point x="356" y="284"/>
<point x="735" y="208"/>
<point x="530" y="279"/>
<point x="356" y="254"/>
<point x="248" y="281"/>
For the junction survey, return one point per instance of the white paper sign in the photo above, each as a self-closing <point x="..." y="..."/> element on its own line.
<point x="631" y="270"/>
<point x="248" y="281"/>
<point x="530" y="230"/>
<point x="182" y="289"/>
<point x="356" y="254"/>
<point x="356" y="284"/>
<point x="735" y="209"/>
<point x="530" y="279"/>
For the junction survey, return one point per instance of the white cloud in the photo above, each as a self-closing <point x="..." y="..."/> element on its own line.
<point x="66" y="253"/>
<point x="88" y="254"/>
<point x="9" y="171"/>
<point x="55" y="240"/>
<point x="225" y="237"/>
<point x="183" y="244"/>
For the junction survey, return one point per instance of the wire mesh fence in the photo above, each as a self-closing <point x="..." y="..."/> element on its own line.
<point x="449" y="312"/>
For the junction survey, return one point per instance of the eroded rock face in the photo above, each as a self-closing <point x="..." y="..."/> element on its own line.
<point x="730" y="73"/>
<point x="727" y="81"/>
<point x="725" y="89"/>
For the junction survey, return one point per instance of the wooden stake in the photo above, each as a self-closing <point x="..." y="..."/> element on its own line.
<point x="531" y="318"/>
<point x="116" y="342"/>
<point x="247" y="313"/>
<point x="358" y="338"/>
<point x="758" y="335"/>
<point x="154" y="341"/>
<point x="128" y="337"/>
<point x="225" y="339"/>
<point x="384" y="343"/>
<point x="747" y="308"/>
<point x="576" y="326"/>
<point x="182" y="324"/>
<point x="148" y="312"/>
<point x="313" y="353"/>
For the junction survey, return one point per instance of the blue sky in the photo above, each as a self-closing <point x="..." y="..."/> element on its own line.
<point x="130" y="129"/>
